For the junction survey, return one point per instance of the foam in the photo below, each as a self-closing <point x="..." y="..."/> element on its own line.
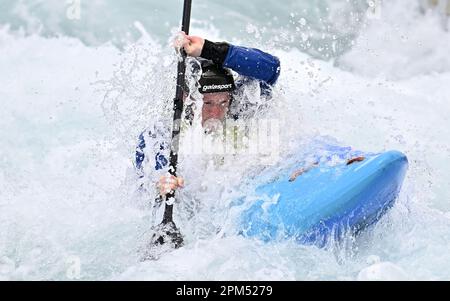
<point x="67" y="150"/>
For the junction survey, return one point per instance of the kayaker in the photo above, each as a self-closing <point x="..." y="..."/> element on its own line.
<point x="218" y="89"/>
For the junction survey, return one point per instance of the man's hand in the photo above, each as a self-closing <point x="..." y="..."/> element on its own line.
<point x="192" y="45"/>
<point x="169" y="183"/>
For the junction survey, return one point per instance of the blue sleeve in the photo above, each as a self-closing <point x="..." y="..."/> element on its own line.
<point x="253" y="63"/>
<point x="160" y="159"/>
<point x="140" y="156"/>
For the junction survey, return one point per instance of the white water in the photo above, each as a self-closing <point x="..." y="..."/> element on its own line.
<point x="66" y="190"/>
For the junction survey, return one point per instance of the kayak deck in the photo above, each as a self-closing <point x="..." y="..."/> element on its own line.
<point x="325" y="200"/>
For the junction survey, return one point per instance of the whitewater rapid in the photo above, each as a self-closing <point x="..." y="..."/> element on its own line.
<point x="67" y="208"/>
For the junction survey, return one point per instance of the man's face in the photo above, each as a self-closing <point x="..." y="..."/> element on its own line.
<point x="215" y="107"/>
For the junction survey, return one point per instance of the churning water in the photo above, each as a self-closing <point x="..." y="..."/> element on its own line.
<point x="78" y="84"/>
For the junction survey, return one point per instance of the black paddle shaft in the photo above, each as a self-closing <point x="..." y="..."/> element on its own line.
<point x="177" y="111"/>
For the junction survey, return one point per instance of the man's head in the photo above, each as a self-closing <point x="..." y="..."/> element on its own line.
<point x="216" y="84"/>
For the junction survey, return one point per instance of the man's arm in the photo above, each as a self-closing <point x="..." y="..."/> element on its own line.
<point x="249" y="62"/>
<point x="152" y="150"/>
<point x="148" y="139"/>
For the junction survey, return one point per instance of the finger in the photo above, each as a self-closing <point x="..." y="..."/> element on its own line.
<point x="180" y="39"/>
<point x="187" y="45"/>
<point x="164" y="192"/>
<point x="185" y="40"/>
<point x="180" y="182"/>
<point x="171" y="179"/>
<point x="193" y="39"/>
<point x="167" y="188"/>
<point x="172" y="184"/>
<point x="169" y="176"/>
<point x="162" y="180"/>
<point x="166" y="179"/>
<point x="190" y="39"/>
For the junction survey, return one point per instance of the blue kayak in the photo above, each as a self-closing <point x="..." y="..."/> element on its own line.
<point x="327" y="200"/>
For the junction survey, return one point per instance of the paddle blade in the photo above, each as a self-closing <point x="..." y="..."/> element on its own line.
<point x="164" y="237"/>
<point x="167" y="234"/>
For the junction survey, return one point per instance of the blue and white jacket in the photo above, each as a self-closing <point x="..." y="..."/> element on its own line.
<point x="249" y="63"/>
